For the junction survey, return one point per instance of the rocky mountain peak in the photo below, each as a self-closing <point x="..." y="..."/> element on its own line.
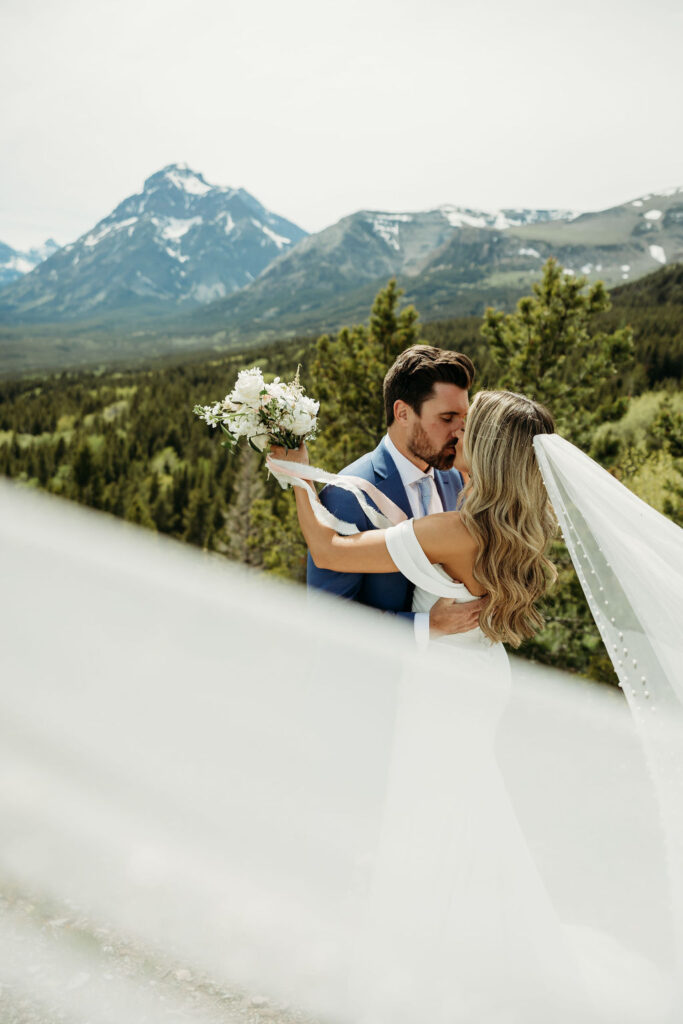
<point x="181" y="177"/>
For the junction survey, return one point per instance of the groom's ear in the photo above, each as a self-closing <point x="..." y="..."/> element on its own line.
<point x="401" y="411"/>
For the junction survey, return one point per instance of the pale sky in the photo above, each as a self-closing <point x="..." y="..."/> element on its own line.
<point x="323" y="107"/>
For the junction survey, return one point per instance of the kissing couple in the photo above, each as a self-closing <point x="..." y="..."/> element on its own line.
<point x="467" y="562"/>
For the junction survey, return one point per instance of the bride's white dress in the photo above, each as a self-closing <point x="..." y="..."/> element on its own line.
<point x="449" y="898"/>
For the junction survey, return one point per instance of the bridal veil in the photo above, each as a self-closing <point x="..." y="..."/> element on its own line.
<point x="198" y="782"/>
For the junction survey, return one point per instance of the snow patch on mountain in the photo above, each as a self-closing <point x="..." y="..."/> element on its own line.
<point x="280" y="240"/>
<point x="173" y="228"/>
<point x="188" y="181"/>
<point x="530" y="252"/>
<point x="208" y="292"/>
<point x="501" y="220"/>
<point x="176" y="255"/>
<point x="652" y="215"/>
<point x="108" y="228"/>
<point x="19" y="263"/>
<point x="458" y="218"/>
<point x="657" y="253"/>
<point x="386" y="226"/>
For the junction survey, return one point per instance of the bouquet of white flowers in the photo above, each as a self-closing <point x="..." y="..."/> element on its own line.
<point x="281" y="414"/>
<point x="275" y="413"/>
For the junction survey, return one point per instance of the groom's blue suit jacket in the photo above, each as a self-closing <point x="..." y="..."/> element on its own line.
<point x="389" y="592"/>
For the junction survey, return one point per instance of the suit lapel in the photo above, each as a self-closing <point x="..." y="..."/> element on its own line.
<point x="389" y="479"/>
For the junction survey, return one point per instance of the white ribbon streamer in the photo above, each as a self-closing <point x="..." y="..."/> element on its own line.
<point x="297" y="474"/>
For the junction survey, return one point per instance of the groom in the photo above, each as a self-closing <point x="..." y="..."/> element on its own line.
<point x="418" y="465"/>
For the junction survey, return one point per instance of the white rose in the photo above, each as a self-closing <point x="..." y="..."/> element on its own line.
<point x="276" y="390"/>
<point x="248" y="387"/>
<point x="302" y="422"/>
<point x="308" y="405"/>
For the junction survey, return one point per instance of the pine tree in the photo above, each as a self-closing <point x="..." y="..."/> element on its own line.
<point x="667" y="434"/>
<point x="551" y="349"/>
<point x="137" y="511"/>
<point x="347" y="376"/>
<point x="162" y="513"/>
<point x="82" y="464"/>
<point x="181" y="492"/>
<point x="198" y="516"/>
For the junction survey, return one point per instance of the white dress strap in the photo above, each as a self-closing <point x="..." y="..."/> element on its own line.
<point x="410" y="559"/>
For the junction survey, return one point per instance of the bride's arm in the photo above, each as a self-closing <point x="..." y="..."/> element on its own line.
<point x="440" y="536"/>
<point x="363" y="552"/>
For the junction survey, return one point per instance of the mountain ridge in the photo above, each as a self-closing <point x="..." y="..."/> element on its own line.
<point x="450" y="261"/>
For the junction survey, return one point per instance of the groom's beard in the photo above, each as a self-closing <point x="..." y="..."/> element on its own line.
<point x="421" y="447"/>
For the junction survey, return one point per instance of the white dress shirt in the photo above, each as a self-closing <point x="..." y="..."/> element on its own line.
<point x="410" y="474"/>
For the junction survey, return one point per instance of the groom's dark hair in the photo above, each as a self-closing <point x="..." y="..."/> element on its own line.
<point x="414" y="374"/>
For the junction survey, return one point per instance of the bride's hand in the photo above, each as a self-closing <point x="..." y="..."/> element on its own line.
<point x="299" y="454"/>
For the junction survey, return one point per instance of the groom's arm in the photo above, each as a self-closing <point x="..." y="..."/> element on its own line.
<point x="344" y="506"/>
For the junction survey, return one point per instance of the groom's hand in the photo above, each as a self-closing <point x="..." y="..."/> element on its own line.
<point x="448" y="616"/>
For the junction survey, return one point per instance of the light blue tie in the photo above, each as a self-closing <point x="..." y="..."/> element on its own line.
<point x="425" y="487"/>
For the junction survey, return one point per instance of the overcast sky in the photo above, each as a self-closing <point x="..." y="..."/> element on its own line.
<point x="323" y="107"/>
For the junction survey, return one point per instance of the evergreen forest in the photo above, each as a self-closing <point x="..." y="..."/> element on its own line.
<point x="126" y="442"/>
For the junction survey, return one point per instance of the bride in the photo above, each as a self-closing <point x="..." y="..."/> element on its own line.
<point x="450" y="899"/>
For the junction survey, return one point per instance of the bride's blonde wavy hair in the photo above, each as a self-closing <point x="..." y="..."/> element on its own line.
<point x="507" y="511"/>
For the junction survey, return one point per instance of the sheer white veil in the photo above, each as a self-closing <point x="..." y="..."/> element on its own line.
<point x="629" y="560"/>
<point x="197" y="767"/>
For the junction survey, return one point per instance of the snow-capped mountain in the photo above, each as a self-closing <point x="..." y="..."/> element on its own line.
<point x="368" y="246"/>
<point x="180" y="240"/>
<point x="450" y="261"/>
<point x="14" y="263"/>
